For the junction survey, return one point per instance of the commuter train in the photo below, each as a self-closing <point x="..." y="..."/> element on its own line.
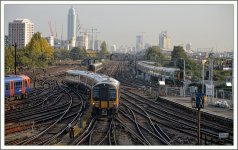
<point x="95" y="67"/>
<point x="104" y="91"/>
<point x="16" y="86"/>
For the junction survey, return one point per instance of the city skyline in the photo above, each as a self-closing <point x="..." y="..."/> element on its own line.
<point x="205" y="26"/>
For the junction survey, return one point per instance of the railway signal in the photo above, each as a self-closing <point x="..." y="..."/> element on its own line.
<point x="198" y="102"/>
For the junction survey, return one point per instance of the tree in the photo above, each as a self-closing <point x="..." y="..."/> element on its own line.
<point x="77" y="53"/>
<point x="192" y="68"/>
<point x="103" y="50"/>
<point x="39" y="50"/>
<point x="154" y="53"/>
<point x="9" y="59"/>
<point x="61" y="54"/>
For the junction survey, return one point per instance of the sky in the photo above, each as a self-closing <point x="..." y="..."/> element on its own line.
<point x="205" y="26"/>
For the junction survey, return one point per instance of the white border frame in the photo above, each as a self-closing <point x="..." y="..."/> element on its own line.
<point x="234" y="3"/>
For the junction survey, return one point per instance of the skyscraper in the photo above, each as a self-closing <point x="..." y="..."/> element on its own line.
<point x="20" y="32"/>
<point x="72" y="23"/>
<point x="139" y="42"/>
<point x="164" y="40"/>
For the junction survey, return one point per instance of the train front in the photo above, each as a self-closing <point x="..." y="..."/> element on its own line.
<point x="105" y="99"/>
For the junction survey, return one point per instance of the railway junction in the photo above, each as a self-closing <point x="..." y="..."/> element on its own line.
<point x="146" y="115"/>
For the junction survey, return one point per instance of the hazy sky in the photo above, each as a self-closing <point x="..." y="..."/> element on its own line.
<point x="205" y="26"/>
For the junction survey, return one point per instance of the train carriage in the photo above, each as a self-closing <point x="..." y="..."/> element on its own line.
<point x="104" y="91"/>
<point x="95" y="67"/>
<point x="16" y="86"/>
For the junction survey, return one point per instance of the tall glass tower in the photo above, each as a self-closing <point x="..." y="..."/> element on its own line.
<point x="72" y="26"/>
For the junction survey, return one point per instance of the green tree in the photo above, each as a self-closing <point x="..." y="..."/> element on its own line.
<point x="61" y="54"/>
<point x="9" y="59"/>
<point x="77" y="53"/>
<point x="154" y="54"/>
<point x="103" y="52"/>
<point x="39" y="50"/>
<point x="192" y="68"/>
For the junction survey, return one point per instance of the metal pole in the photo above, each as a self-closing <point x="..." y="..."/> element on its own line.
<point x="203" y="62"/>
<point x="202" y="77"/>
<point x="184" y="77"/>
<point x="15" y="46"/>
<point x="199" y="118"/>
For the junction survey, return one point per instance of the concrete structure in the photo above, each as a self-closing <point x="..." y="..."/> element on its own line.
<point x="72" y="23"/>
<point x="20" y="32"/>
<point x="164" y="41"/>
<point x="139" y="42"/>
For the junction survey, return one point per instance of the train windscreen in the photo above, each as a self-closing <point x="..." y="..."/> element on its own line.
<point x="104" y="92"/>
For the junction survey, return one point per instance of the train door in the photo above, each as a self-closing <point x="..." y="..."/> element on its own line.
<point x="24" y="86"/>
<point x="11" y="88"/>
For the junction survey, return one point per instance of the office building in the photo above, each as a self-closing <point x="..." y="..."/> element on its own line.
<point x="164" y="41"/>
<point x="20" y="32"/>
<point x="72" y="23"/>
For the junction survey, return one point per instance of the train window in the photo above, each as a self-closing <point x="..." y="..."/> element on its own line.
<point x="96" y="92"/>
<point x="112" y="94"/>
<point x="7" y="87"/>
<point x="18" y="85"/>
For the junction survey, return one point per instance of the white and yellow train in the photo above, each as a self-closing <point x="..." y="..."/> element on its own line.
<point x="104" y="91"/>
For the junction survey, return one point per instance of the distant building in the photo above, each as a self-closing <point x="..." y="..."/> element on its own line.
<point x="97" y="45"/>
<point x="113" y="48"/>
<point x="164" y="41"/>
<point x="72" y="23"/>
<point x="139" y="42"/>
<point x="20" y="32"/>
<point x="189" y="46"/>
<point x="50" y="40"/>
<point x="6" y="41"/>
<point x="147" y="45"/>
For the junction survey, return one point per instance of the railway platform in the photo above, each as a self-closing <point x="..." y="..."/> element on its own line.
<point x="208" y="107"/>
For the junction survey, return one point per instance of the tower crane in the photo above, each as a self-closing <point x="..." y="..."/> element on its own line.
<point x="51" y="30"/>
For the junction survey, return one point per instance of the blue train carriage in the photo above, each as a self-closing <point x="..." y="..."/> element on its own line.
<point x="16" y="86"/>
<point x="105" y="98"/>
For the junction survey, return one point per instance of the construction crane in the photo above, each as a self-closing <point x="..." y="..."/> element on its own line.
<point x="61" y="34"/>
<point x="55" y="30"/>
<point x="51" y="30"/>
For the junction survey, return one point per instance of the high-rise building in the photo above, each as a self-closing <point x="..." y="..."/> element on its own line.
<point x="72" y="23"/>
<point x="139" y="42"/>
<point x="164" y="40"/>
<point x="97" y="45"/>
<point x="189" y="46"/>
<point x="6" y="41"/>
<point x="82" y="41"/>
<point x="20" y="32"/>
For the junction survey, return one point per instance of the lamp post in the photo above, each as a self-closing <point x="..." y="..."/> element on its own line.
<point x="15" y="64"/>
<point x="183" y="77"/>
<point x="203" y="62"/>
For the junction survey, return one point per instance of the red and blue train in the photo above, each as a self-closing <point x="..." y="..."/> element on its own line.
<point x="16" y="86"/>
